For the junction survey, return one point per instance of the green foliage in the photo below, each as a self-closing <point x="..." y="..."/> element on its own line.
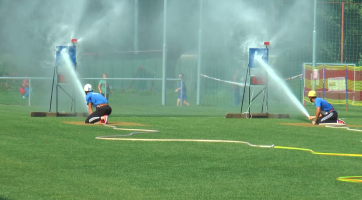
<point x="220" y="98"/>
<point x="147" y="93"/>
<point x="130" y="91"/>
<point x="7" y="65"/>
<point x="5" y="86"/>
<point x="329" y="24"/>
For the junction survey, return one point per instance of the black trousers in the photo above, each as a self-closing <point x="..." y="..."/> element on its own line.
<point x="331" y="117"/>
<point x="96" y="115"/>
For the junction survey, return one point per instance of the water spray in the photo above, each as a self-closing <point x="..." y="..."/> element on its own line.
<point x="73" y="75"/>
<point x="282" y="83"/>
<point x="65" y="66"/>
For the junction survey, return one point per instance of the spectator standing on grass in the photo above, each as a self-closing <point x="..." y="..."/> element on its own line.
<point x="103" y="110"/>
<point x="181" y="91"/>
<point x="25" y="85"/>
<point x="104" y="88"/>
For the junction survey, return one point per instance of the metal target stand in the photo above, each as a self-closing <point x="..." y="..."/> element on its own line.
<point x="255" y="80"/>
<point x="61" y="80"/>
<point x="259" y="78"/>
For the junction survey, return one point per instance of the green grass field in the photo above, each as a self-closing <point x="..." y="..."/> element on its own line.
<point x="43" y="158"/>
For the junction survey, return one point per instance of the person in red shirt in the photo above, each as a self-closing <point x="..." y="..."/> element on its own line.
<point x="25" y="85"/>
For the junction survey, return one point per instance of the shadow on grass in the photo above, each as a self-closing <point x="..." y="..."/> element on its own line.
<point x="4" y="198"/>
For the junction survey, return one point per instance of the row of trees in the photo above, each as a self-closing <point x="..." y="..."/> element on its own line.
<point x="340" y="31"/>
<point x="228" y="25"/>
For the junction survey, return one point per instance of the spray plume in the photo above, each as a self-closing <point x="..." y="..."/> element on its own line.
<point x="74" y="78"/>
<point x="281" y="82"/>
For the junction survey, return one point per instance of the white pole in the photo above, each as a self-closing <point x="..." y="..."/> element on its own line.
<point x="136" y="27"/>
<point x="314" y="39"/>
<point x="181" y="95"/>
<point x="354" y="78"/>
<point x="304" y="76"/>
<point x="199" y="57"/>
<point x="354" y="82"/>
<point x="29" y="101"/>
<point x="164" y="54"/>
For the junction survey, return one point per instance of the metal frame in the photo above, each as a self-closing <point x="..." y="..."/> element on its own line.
<point x="58" y="85"/>
<point x="264" y="90"/>
<point x="50" y="78"/>
<point x="331" y="64"/>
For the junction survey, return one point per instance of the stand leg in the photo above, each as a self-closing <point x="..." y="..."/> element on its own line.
<point x="262" y="105"/>
<point x="51" y="95"/>
<point x="242" y="101"/>
<point x="249" y="110"/>
<point x="267" y="97"/>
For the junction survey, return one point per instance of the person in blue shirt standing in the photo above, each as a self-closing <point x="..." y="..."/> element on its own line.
<point x="325" y="112"/>
<point x="93" y="99"/>
<point x="181" y="91"/>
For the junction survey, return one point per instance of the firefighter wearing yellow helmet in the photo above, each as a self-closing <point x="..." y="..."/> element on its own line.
<point x="325" y="113"/>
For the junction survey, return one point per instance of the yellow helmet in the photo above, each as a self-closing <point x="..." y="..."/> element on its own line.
<point x="312" y="93"/>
